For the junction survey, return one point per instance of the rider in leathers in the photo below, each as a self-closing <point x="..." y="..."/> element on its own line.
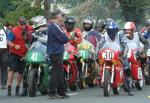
<point x="133" y="41"/>
<point x="100" y="26"/>
<point x="74" y="34"/>
<point x="117" y="41"/>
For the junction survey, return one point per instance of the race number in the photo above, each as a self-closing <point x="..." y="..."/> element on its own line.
<point x="34" y="56"/>
<point x="3" y="41"/>
<point x="108" y="55"/>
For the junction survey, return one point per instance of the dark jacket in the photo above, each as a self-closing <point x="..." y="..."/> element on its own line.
<point x="56" y="39"/>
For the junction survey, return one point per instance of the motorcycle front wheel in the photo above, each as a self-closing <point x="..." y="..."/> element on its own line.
<point x="107" y="84"/>
<point x="32" y="82"/>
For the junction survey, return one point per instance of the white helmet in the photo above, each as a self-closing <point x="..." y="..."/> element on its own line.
<point x="38" y="21"/>
<point x="129" y="25"/>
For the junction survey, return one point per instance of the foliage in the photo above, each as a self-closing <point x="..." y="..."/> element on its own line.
<point x="134" y="10"/>
<point x="23" y="10"/>
<point x="5" y="7"/>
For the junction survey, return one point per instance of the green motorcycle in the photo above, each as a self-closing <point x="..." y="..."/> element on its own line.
<point x="88" y="58"/>
<point x="36" y="69"/>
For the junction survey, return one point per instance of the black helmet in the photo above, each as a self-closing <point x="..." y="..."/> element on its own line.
<point x="69" y="23"/>
<point x="70" y="20"/>
<point x="147" y="22"/>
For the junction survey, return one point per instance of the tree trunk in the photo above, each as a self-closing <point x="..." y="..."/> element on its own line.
<point x="47" y="8"/>
<point x="37" y="3"/>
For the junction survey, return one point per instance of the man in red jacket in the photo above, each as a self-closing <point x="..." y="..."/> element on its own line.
<point x="17" y="40"/>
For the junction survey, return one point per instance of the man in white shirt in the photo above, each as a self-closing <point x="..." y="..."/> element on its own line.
<point x="3" y="57"/>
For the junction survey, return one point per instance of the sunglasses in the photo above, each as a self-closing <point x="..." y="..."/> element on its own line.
<point x="22" y="23"/>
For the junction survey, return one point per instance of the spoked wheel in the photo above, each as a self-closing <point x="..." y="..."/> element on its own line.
<point x="116" y="90"/>
<point x="107" y="84"/>
<point x="73" y="87"/>
<point x="32" y="83"/>
<point x="91" y="81"/>
<point x="82" y="83"/>
<point x="73" y="77"/>
<point x="139" y="84"/>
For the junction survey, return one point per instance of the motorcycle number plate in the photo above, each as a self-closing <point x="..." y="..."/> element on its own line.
<point x="108" y="55"/>
<point x="148" y="52"/>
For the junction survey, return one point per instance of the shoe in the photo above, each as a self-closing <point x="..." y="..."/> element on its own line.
<point x="62" y="96"/>
<point x="3" y="87"/>
<point x="9" y="90"/>
<point x="50" y="96"/>
<point x="17" y="91"/>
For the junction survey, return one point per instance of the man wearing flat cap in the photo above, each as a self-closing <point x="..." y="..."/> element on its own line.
<point x="55" y="49"/>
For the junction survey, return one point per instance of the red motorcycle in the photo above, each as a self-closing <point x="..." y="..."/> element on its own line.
<point x="111" y="71"/>
<point x="136" y="70"/>
<point x="70" y="68"/>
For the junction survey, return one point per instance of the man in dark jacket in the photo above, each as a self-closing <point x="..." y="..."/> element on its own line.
<point x="55" y="49"/>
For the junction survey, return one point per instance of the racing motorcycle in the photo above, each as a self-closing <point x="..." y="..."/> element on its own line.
<point x="136" y="71"/>
<point x="36" y="69"/>
<point x="88" y="59"/>
<point x="69" y="65"/>
<point x="111" y="71"/>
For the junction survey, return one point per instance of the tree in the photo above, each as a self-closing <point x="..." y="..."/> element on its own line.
<point x="47" y="8"/>
<point x="5" y="7"/>
<point x="37" y="3"/>
<point x="134" y="10"/>
<point x="23" y="10"/>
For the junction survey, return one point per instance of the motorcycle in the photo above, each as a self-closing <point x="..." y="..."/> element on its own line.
<point x="36" y="69"/>
<point x="136" y="70"/>
<point x="111" y="71"/>
<point x="88" y="59"/>
<point x="69" y="65"/>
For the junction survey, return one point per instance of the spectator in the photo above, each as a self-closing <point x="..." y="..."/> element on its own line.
<point x="3" y="56"/>
<point x="17" y="40"/>
<point x="55" y="49"/>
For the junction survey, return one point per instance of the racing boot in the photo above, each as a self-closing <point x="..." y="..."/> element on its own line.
<point x="17" y="90"/>
<point x="129" y="82"/>
<point x="129" y="85"/>
<point x="9" y="90"/>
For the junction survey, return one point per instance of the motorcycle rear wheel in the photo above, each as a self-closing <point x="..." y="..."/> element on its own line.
<point x="82" y="84"/>
<point x="139" y="84"/>
<point x="73" y="87"/>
